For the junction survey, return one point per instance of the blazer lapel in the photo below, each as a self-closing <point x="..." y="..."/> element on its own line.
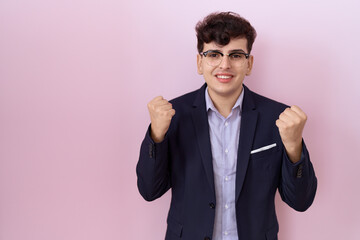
<point x="249" y="118"/>
<point x="199" y="116"/>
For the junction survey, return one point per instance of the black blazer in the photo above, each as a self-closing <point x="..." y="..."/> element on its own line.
<point x="183" y="162"/>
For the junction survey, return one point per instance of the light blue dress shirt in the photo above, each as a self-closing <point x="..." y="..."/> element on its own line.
<point x="224" y="138"/>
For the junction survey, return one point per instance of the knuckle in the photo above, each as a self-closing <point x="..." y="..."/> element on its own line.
<point x="157" y="110"/>
<point x="287" y="126"/>
<point x="297" y="121"/>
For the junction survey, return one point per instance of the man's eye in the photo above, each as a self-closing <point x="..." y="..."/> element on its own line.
<point x="237" y="56"/>
<point x="213" y="55"/>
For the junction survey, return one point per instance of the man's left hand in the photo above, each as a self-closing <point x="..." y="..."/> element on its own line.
<point x="291" y="123"/>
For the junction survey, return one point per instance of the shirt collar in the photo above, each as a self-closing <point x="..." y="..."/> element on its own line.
<point x="210" y="104"/>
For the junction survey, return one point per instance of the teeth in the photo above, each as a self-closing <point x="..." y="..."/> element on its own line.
<point x="223" y="77"/>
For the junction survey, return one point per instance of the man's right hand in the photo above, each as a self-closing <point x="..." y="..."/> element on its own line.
<point x="161" y="113"/>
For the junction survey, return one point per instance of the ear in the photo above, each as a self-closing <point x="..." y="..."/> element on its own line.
<point x="199" y="60"/>
<point x="250" y="65"/>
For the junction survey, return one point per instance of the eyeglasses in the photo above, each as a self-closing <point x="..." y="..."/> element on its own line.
<point x="214" y="57"/>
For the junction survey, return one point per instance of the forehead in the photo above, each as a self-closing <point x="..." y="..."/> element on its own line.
<point x="235" y="43"/>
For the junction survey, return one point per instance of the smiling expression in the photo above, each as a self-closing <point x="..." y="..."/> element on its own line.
<point x="225" y="80"/>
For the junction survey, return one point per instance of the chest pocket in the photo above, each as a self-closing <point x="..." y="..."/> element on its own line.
<point x="264" y="151"/>
<point x="267" y="161"/>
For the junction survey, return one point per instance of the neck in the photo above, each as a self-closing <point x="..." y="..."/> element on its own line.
<point x="224" y="103"/>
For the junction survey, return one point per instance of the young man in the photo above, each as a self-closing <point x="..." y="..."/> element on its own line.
<point x="223" y="149"/>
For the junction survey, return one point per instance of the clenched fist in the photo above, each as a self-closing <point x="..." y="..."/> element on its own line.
<point x="291" y="123"/>
<point x="161" y="113"/>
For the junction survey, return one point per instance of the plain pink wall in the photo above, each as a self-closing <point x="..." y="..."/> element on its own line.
<point x="75" y="78"/>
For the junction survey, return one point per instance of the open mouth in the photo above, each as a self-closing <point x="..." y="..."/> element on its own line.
<point x="224" y="77"/>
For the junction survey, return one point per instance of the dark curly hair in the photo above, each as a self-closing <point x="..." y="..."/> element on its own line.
<point x="222" y="27"/>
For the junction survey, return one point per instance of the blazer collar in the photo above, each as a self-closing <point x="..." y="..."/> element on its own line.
<point x="201" y="124"/>
<point x="200" y="98"/>
<point x="249" y="117"/>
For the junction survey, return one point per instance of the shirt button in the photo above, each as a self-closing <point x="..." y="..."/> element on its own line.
<point x="226" y="123"/>
<point x="226" y="178"/>
<point x="226" y="150"/>
<point x="212" y="205"/>
<point x="226" y="206"/>
<point x="226" y="233"/>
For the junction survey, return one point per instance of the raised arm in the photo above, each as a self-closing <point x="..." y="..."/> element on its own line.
<point x="153" y="165"/>
<point x="298" y="180"/>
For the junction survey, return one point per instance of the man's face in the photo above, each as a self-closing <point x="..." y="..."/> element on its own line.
<point x="225" y="80"/>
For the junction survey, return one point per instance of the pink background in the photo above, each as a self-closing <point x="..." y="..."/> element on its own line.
<point x="75" y="78"/>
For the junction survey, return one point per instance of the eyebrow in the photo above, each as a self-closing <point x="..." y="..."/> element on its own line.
<point x="237" y="50"/>
<point x="231" y="51"/>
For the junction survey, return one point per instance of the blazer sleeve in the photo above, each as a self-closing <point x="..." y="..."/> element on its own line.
<point x="153" y="174"/>
<point x="298" y="181"/>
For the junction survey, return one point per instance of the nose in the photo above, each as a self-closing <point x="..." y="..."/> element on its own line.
<point x="225" y="62"/>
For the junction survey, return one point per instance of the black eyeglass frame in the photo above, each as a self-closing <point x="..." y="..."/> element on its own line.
<point x="222" y="54"/>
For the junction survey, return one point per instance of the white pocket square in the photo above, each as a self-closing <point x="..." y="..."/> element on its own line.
<point x="263" y="148"/>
